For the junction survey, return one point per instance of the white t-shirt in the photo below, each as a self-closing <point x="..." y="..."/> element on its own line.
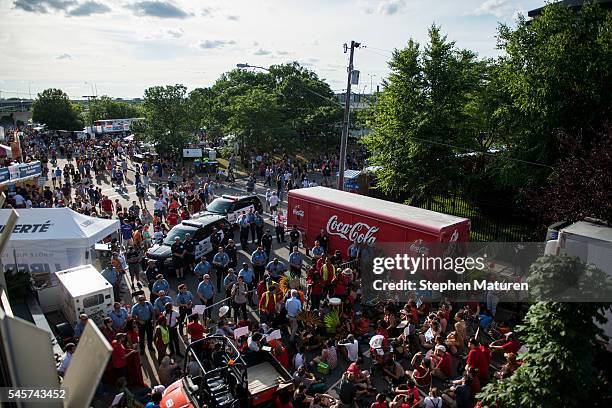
<point x="298" y="360"/>
<point x="273" y="201"/>
<point x="352" y="350"/>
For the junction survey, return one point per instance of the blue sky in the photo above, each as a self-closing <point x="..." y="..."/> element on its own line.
<point x="121" y="47"/>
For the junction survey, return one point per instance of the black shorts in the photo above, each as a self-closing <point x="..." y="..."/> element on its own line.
<point x="177" y="263"/>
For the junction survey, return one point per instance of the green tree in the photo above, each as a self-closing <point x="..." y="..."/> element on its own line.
<point x="305" y="103"/>
<point x="106" y="107"/>
<point x="420" y="116"/>
<point x="557" y="69"/>
<point x="257" y="121"/>
<point x="562" y="367"/>
<point x="167" y="122"/>
<point x="53" y="108"/>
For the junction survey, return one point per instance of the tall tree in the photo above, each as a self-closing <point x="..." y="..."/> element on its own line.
<point x="420" y="117"/>
<point x="557" y="69"/>
<point x="166" y="121"/>
<point x="562" y="367"/>
<point x="256" y="120"/>
<point x="106" y="107"/>
<point x="53" y="108"/>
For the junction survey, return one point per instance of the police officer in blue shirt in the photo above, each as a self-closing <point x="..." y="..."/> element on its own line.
<point x="184" y="301"/>
<point x="202" y="268"/>
<point x="243" y="223"/>
<point x="259" y="259"/>
<point x="251" y="219"/>
<point x="160" y="302"/>
<point x="159" y="285"/>
<point x="259" y="226"/>
<point x="276" y="268"/>
<point x="296" y="260"/>
<point x="206" y="293"/>
<point x="220" y="262"/>
<point x="143" y="313"/>
<point x="353" y="251"/>
<point x="119" y="316"/>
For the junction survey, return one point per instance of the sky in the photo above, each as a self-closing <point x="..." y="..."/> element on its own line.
<point x="121" y="47"/>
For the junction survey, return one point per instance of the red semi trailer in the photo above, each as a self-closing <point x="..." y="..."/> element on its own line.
<point x="347" y="217"/>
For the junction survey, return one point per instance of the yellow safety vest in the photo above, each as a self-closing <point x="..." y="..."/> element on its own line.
<point x="268" y="299"/>
<point x="324" y="272"/>
<point x="165" y="333"/>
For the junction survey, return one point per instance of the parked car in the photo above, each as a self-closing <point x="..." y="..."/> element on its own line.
<point x="232" y="206"/>
<point x="199" y="228"/>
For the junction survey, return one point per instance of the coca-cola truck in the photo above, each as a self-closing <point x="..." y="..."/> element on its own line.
<point x="347" y="218"/>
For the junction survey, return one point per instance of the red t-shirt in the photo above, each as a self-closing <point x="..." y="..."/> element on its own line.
<point x="195" y="330"/>
<point x="512" y="346"/>
<point x="354" y="368"/>
<point x="486" y="353"/>
<point x="422" y="375"/>
<point x="118" y="355"/>
<point x="446" y="364"/>
<point x="476" y="358"/>
<point x="172" y="219"/>
<point x="383" y="404"/>
<point x="283" y="358"/>
<point x="107" y="205"/>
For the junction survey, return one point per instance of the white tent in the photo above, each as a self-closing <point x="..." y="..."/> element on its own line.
<point x="52" y="239"/>
<point x="49" y="240"/>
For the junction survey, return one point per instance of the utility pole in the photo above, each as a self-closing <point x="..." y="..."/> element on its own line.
<point x="89" y="109"/>
<point x="347" y="110"/>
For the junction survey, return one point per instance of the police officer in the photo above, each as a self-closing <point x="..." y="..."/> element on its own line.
<point x="259" y="226"/>
<point x="266" y="242"/>
<point x="189" y="245"/>
<point x="243" y="223"/>
<point x="294" y="238"/>
<point x="259" y="259"/>
<point x="232" y="251"/>
<point x="178" y="257"/>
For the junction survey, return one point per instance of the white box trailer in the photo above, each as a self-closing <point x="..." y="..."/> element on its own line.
<point x="84" y="290"/>
<point x="591" y="241"/>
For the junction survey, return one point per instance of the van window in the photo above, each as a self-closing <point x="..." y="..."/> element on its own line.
<point x="94" y="300"/>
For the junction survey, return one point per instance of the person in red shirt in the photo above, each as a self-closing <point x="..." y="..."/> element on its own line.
<point x="280" y="352"/>
<point x="107" y="205"/>
<point x="341" y="283"/>
<point x="442" y="363"/>
<point x="172" y="218"/>
<point x="421" y="374"/>
<point x="411" y="393"/>
<point x="508" y="344"/>
<point x="195" y="329"/>
<point x="477" y="358"/>
<point x="315" y="289"/>
<point x="381" y="402"/>
<point x="119" y="356"/>
<point x="267" y="304"/>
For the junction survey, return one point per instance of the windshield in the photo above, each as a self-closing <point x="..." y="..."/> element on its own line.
<point x="219" y="206"/>
<point x="179" y="231"/>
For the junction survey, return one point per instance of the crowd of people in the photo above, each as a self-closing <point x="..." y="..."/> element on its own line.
<point x="424" y="354"/>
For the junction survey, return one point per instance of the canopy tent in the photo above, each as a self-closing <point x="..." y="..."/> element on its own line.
<point x="52" y="239"/>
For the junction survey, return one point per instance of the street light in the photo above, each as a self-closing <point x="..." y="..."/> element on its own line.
<point x="246" y="65"/>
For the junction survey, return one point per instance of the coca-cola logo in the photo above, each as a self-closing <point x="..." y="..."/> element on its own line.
<point x="418" y="247"/>
<point x="297" y="211"/>
<point x="359" y="232"/>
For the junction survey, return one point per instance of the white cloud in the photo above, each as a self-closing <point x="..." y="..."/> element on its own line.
<point x="391" y="7"/>
<point x="261" y="51"/>
<point x="212" y="44"/>
<point x="497" y="8"/>
<point x="64" y="56"/>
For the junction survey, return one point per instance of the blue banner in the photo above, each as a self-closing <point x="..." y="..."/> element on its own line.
<point x="4" y="174"/>
<point x="30" y="169"/>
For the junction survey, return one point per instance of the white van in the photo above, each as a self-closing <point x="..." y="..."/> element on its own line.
<point x="84" y="290"/>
